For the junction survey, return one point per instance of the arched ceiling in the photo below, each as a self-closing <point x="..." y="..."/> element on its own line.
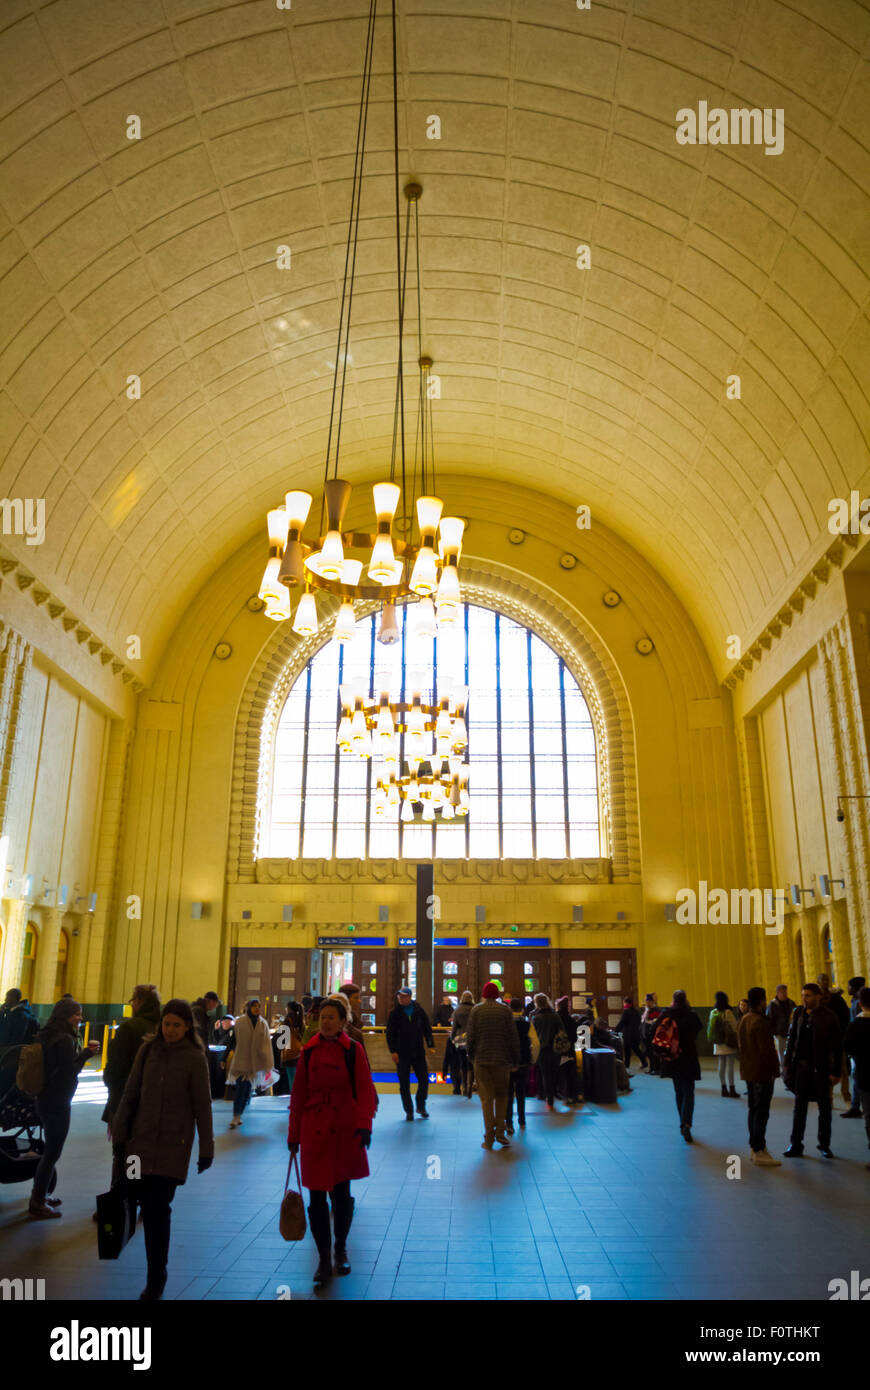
<point x="603" y="386"/>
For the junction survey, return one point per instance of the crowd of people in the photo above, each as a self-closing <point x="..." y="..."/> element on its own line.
<point x="160" y="1090"/>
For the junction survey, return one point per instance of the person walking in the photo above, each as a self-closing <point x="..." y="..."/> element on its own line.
<point x="759" y="1068"/>
<point x="253" y="1054"/>
<point x="628" y="1028"/>
<point x="409" y="1034"/>
<point x="494" y="1050"/>
<point x="855" y="985"/>
<point x="332" y="1109"/>
<point x="18" y="1023"/>
<point x="464" y="1079"/>
<point x="722" y="1033"/>
<point x="813" y="1064"/>
<point x="121" y="1052"/>
<point x="649" y="1020"/>
<point x="547" y="1024"/>
<point x="207" y="1013"/>
<point x="63" y="1058"/>
<point x="312" y="1018"/>
<point x="353" y="1027"/>
<point x="519" y="1076"/>
<point x="567" y="1077"/>
<point x="682" y="1065"/>
<point x="444" y="1012"/>
<point x="779" y="1011"/>
<point x="293" y="1027"/>
<point x="857" y="1046"/>
<point x="166" y="1097"/>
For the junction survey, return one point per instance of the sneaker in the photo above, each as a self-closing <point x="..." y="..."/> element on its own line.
<point x="765" y="1160"/>
<point x="54" y="1202"/>
<point x="487" y="1144"/>
<point x="509" y="1129"/>
<point x="853" y="1113"/>
<point x="824" y="1151"/>
<point x="424" y="1114"/>
<point x="794" y="1151"/>
<point x="503" y="1140"/>
<point x="41" y="1212"/>
<point x="686" y="1133"/>
<point x="235" y="1122"/>
<point x="409" y="1116"/>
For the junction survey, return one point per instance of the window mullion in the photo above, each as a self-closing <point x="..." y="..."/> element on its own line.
<point x="370" y="760"/>
<point x="498" y="733"/>
<point x="304" y="786"/>
<point x="337" y="752"/>
<point x="564" y="758"/>
<point x="533" y="807"/>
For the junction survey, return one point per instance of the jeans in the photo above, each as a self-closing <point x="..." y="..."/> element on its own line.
<point x="492" y="1087"/>
<point x="684" y="1095"/>
<point x="517" y="1087"/>
<point x="630" y="1045"/>
<point x="760" y="1096"/>
<point x="55" y="1128"/>
<point x="420" y="1068"/>
<point x="290" y="1073"/>
<point x="548" y="1070"/>
<point x="856" y="1093"/>
<point x="726" y="1064"/>
<point x="780" y="1048"/>
<point x="241" y="1095"/>
<point x="807" y="1088"/>
<point x="567" y="1078"/>
<point x="154" y="1195"/>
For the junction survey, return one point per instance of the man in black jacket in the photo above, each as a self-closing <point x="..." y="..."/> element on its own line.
<point x="855" y="985"/>
<point x="857" y="1045"/>
<point x="409" y="1032"/>
<point x="779" y="1011"/>
<point x="812" y="1065"/>
<point x="18" y="1023"/>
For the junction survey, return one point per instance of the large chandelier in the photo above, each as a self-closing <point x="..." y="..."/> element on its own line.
<point x="390" y="567"/>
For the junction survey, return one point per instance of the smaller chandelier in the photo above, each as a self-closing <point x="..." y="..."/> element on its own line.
<point x="370" y="728"/>
<point x="428" y="789"/>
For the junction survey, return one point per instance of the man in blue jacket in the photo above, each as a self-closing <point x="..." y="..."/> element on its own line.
<point x="18" y="1023"/>
<point x="409" y="1032"/>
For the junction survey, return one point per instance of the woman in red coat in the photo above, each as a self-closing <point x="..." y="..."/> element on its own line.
<point x="331" y="1111"/>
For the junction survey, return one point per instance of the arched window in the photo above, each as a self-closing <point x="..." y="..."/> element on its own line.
<point x="531" y="751"/>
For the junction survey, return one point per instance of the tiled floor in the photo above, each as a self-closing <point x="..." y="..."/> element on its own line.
<point x="607" y="1198"/>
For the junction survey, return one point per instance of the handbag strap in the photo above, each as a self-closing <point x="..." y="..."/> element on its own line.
<point x="294" y="1158"/>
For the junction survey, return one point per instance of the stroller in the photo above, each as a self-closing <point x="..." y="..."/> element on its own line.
<point x="21" y="1142"/>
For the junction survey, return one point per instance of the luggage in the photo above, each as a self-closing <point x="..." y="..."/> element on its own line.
<point x="599" y="1075"/>
<point x="116" y="1220"/>
<point x="291" y="1222"/>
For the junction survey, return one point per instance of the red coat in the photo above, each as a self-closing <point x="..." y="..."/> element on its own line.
<point x="324" y="1116"/>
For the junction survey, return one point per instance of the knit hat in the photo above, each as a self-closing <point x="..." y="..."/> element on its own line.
<point x="64" y="1010"/>
<point x="350" y="988"/>
<point x="491" y="990"/>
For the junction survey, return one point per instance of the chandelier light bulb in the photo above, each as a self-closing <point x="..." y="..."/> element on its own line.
<point x="424" y="618"/>
<point x="388" y="632"/>
<point x="447" y="811"/>
<point x="393" y="797"/>
<point x="386" y="497"/>
<point x="330" y="561"/>
<point x="460" y="735"/>
<point x="384" y="568"/>
<point x="407" y="811"/>
<point x="292" y="564"/>
<point x="443" y="727"/>
<point x="270" y="589"/>
<point x="451" y="535"/>
<point x="428" y="516"/>
<point x="305" y="622"/>
<point x="448" y="586"/>
<point x="345" y="623"/>
<point x="276" y="521"/>
<point x="297" y="506"/>
<point x="428" y="811"/>
<point x="278" y="608"/>
<point x="385" y="726"/>
<point x="424" y="578"/>
<point x="389" y="751"/>
<point x="344" y="738"/>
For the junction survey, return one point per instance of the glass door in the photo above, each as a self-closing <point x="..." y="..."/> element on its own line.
<point x="339" y="967"/>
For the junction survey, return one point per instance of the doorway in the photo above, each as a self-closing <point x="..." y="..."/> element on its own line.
<point x="272" y="975"/>
<point x="607" y="975"/>
<point x="28" y="960"/>
<point x="519" y="973"/>
<point x="62" y="958"/>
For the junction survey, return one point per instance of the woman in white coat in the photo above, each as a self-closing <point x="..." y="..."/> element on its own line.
<point x="722" y="1033"/>
<point x="253" y="1054"/>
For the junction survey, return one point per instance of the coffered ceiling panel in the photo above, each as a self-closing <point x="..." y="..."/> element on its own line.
<point x="155" y="258"/>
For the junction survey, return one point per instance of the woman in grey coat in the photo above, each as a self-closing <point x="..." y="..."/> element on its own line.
<point x="166" y="1096"/>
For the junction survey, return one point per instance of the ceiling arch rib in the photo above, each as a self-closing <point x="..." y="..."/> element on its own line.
<point x="156" y="257"/>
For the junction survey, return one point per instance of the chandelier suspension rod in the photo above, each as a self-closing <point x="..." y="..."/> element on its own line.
<point x="350" y="258"/>
<point x="399" y="279"/>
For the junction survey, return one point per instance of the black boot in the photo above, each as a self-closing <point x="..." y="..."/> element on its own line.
<point x="154" y="1287"/>
<point x="318" y="1220"/>
<point x="342" y="1213"/>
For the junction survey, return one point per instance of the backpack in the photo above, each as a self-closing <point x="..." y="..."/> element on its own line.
<point x="461" y="1040"/>
<point x="30" y="1076"/>
<point x="666" y="1039"/>
<point x="716" y="1031"/>
<point x="561" y="1042"/>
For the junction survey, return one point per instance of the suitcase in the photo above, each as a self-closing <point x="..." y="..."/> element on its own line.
<point x="599" y="1075"/>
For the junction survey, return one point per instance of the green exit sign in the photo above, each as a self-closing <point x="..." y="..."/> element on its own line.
<point x="351" y="928"/>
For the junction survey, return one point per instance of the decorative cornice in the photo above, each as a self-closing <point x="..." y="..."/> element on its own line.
<point x="71" y="624"/>
<point x="835" y="557"/>
<point x="578" y="872"/>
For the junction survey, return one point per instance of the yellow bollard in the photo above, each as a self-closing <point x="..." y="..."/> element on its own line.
<point x="87" y="1032"/>
<point x="107" y="1031"/>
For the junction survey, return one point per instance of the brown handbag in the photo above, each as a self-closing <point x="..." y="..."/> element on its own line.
<point x="292" y="1221"/>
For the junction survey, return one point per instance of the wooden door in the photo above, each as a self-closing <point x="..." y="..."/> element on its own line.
<point x="455" y="971"/>
<point x="608" y="975"/>
<point x="370" y="973"/>
<point x="521" y="972"/>
<point x="272" y="974"/>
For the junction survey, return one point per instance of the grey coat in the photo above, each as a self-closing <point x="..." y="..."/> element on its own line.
<point x="167" y="1093"/>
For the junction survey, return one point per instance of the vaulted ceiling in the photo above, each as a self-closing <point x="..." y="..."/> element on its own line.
<point x="605" y="386"/>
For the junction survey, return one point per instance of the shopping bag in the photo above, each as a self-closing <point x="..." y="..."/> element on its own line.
<point x="116" y="1220"/>
<point x="292" y="1220"/>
